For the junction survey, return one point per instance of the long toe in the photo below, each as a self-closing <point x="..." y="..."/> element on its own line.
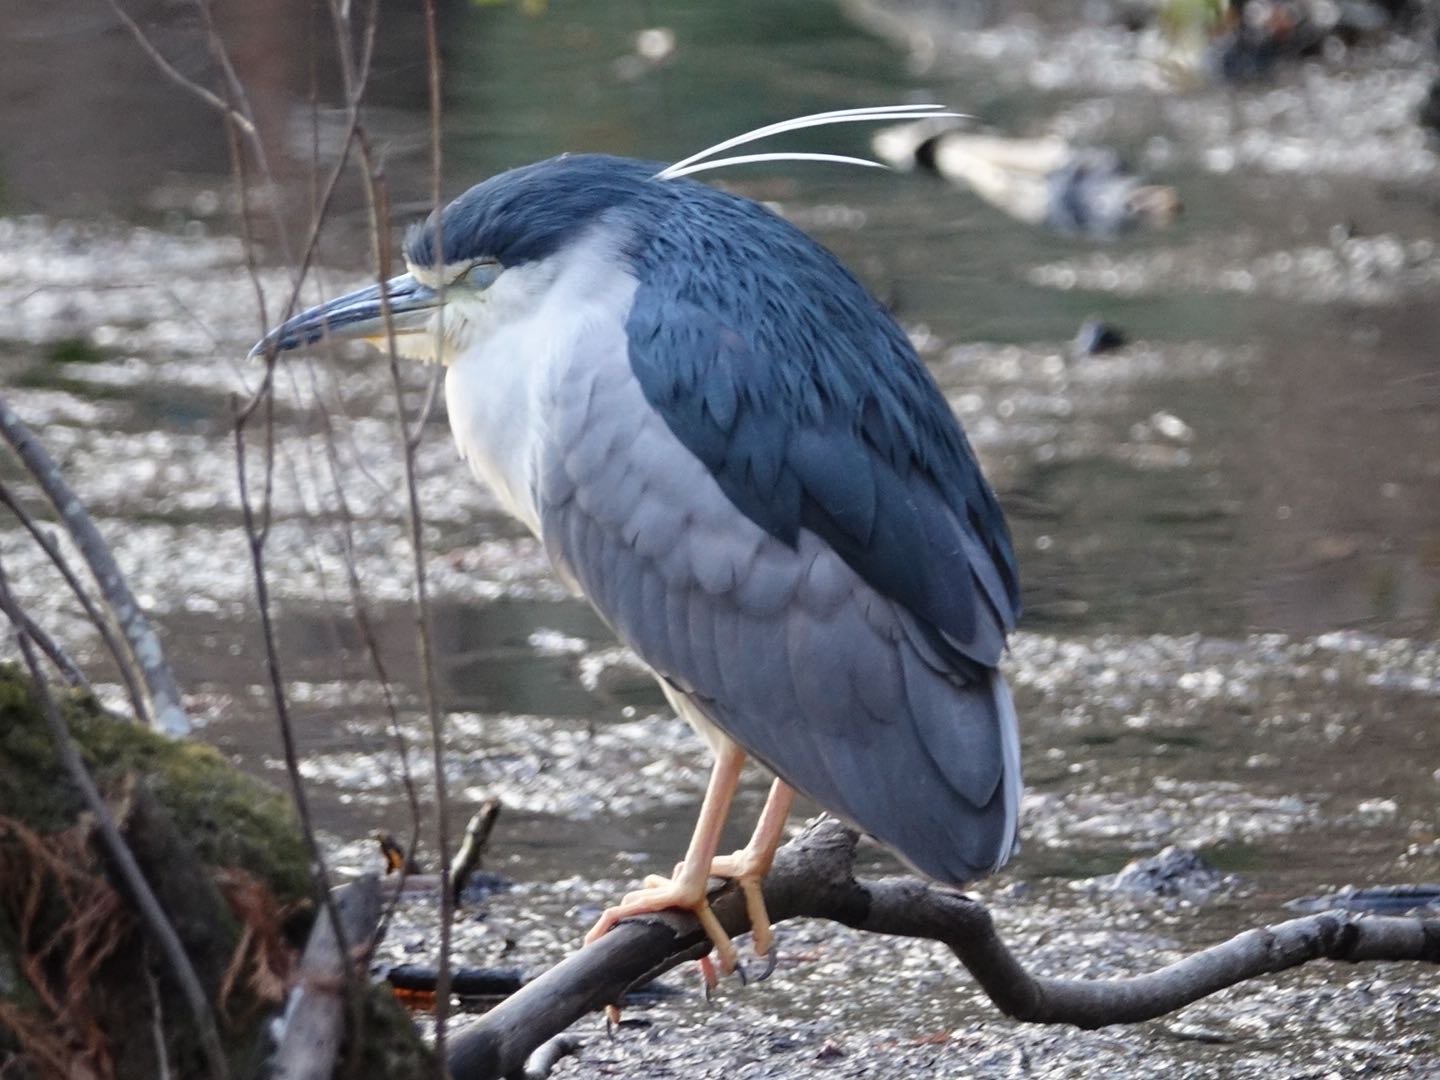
<point x="744" y="871"/>
<point x="664" y="894"/>
<point x="761" y="932"/>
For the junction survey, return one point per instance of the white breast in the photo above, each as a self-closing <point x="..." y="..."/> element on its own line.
<point x="514" y="345"/>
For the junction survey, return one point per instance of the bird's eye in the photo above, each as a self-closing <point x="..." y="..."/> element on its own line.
<point x="483" y="274"/>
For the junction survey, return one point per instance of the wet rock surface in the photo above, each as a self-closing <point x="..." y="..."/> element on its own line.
<point x="1172" y="874"/>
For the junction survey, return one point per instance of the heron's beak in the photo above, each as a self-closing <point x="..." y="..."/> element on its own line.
<point x="360" y="314"/>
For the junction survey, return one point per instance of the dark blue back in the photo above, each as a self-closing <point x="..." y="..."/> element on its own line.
<point x="780" y="371"/>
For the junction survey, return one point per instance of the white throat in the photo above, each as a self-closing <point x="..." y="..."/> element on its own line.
<point x="510" y="347"/>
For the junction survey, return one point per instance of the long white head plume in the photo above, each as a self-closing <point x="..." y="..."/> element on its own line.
<point x="870" y="114"/>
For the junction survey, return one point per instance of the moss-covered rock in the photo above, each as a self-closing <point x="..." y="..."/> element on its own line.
<point x="194" y="822"/>
<point x="231" y="819"/>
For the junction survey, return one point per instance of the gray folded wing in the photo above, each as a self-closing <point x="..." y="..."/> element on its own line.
<point x="843" y="692"/>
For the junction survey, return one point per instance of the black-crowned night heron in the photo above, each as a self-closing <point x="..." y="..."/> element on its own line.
<point x="731" y="450"/>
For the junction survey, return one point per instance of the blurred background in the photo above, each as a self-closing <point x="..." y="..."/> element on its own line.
<point x="1295" y="494"/>
<point x="1217" y="440"/>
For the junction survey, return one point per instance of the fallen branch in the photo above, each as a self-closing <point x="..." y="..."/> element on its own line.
<point x="495" y="982"/>
<point x="813" y="877"/>
<point x="314" y="1021"/>
<point x="472" y="849"/>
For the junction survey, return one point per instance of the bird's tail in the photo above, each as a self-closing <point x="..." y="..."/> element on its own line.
<point x="955" y="811"/>
<point x="1011" y="784"/>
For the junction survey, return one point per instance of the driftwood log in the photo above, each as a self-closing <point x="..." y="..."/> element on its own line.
<point x="314" y="1020"/>
<point x="813" y="877"/>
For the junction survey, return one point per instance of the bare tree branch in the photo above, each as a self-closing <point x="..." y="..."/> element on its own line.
<point x="123" y="662"/>
<point x="409" y="441"/>
<point x="257" y="523"/>
<point x="209" y="97"/>
<point x="255" y="536"/>
<point x="167" y="710"/>
<point x="472" y="848"/>
<point x="422" y="607"/>
<point x="51" y="648"/>
<point x="813" y="877"/>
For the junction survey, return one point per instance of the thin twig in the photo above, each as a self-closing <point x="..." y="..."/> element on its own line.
<point x="432" y="396"/>
<point x="97" y="617"/>
<point x="376" y="202"/>
<point x="167" y="710"/>
<point x="354" y="77"/>
<point x="422" y="607"/>
<point x="241" y="118"/>
<point x="371" y="642"/>
<point x="189" y="85"/>
<point x="58" y="656"/>
<point x="157" y="1021"/>
<point x="239" y="100"/>
<point x="258" y="524"/>
<point x="255" y="539"/>
<point x="437" y="724"/>
<point x="151" y="913"/>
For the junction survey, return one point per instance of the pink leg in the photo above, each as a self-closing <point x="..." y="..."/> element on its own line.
<point x="688" y="888"/>
<point x="751" y="863"/>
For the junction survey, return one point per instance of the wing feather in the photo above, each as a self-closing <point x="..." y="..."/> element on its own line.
<point x="757" y="483"/>
<point x="918" y="524"/>
<point x="784" y="646"/>
<point x="696" y="622"/>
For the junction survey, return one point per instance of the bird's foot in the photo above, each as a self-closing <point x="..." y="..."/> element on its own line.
<point x="661" y="894"/>
<point x="747" y="869"/>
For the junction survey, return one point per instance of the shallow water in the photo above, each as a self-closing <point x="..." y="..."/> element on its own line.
<point x="1229" y="529"/>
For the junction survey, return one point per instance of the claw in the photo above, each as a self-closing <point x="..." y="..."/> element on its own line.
<point x="707" y="973"/>
<point x="772" y="957"/>
<point x="708" y="979"/>
<point x="740" y="868"/>
<point x="659" y="894"/>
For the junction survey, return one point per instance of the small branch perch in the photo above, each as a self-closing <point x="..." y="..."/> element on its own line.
<point x="813" y="877"/>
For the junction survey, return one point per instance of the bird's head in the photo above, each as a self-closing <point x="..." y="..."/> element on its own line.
<point x="487" y="257"/>
<point x="492" y="254"/>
